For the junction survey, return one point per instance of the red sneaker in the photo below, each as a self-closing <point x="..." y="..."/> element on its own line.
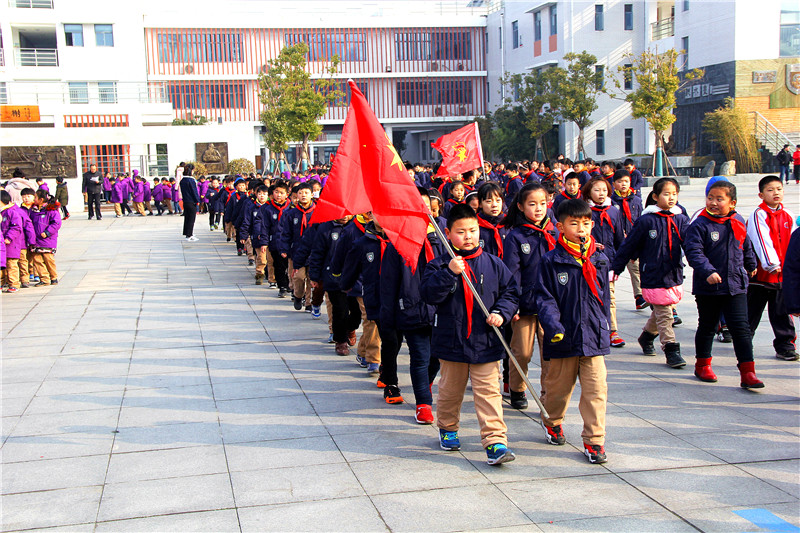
<point x="342" y="348"/>
<point x="424" y="414"/>
<point x="616" y="340"/>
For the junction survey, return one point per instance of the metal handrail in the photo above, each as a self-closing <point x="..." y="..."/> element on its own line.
<point x="124" y="92"/>
<point x="662" y="28"/>
<point x="36" y="57"/>
<point x="770" y="136"/>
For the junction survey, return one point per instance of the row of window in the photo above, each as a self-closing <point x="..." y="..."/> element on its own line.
<point x="103" y="34"/>
<point x="600" y="141"/>
<point x="440" y="92"/>
<point x="79" y="92"/>
<point x="204" y="47"/>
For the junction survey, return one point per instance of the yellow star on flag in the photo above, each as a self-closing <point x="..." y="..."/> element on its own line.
<point x="396" y="159"/>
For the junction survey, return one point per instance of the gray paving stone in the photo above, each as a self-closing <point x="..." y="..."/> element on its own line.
<point x="57" y="446"/>
<point x="160" y="464"/>
<point x="166" y="436"/>
<point x="211" y="521"/>
<point x="348" y="514"/>
<point x="258" y="428"/>
<point x="163" y="496"/>
<point x="32" y="476"/>
<point x="781" y="474"/>
<point x="723" y="519"/>
<point x="89" y="421"/>
<point x="651" y="522"/>
<point x="282" y="454"/>
<point x="50" y="508"/>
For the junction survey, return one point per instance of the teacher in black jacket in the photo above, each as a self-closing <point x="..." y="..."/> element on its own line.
<point x="191" y="201"/>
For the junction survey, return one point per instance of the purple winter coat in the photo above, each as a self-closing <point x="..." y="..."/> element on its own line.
<point x="176" y="193"/>
<point x="30" y="234"/>
<point x="2" y="250"/>
<point x="44" y="187"/>
<point x="47" y="220"/>
<point x="158" y="193"/>
<point x="138" y="192"/>
<point x="106" y="184"/>
<point x="13" y="230"/>
<point x="148" y="194"/>
<point x="118" y="192"/>
<point x="128" y="190"/>
<point x="202" y="188"/>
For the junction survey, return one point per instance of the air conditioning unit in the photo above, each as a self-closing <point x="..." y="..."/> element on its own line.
<point x="462" y="111"/>
<point x="460" y="66"/>
<point x="437" y="111"/>
<point x="188" y="69"/>
<point x="434" y="66"/>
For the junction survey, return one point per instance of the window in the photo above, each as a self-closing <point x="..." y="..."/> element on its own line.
<point x="685" y="48"/>
<point x="628" y="140"/>
<point x="790" y="30"/>
<point x="344" y="101"/>
<point x="223" y="46"/>
<point x="412" y="46"/>
<point x="516" y="92"/>
<point x="104" y="34"/>
<point x="500" y="36"/>
<point x="107" y="91"/>
<point x="73" y="34"/>
<point x="442" y="92"/>
<point x="600" y="140"/>
<point x="323" y="46"/>
<point x="452" y="45"/>
<point x="78" y="92"/>
<point x="515" y="34"/>
<point x="553" y="21"/>
<point x="599" y="72"/>
<point x="207" y="95"/>
<point x="686" y="5"/>
<point x="3" y="93"/>
<point x="537" y="26"/>
<point x="628" y="77"/>
<point x="599" y="24"/>
<point x="628" y="16"/>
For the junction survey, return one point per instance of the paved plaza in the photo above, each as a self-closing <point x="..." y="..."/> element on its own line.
<point x="157" y="389"/>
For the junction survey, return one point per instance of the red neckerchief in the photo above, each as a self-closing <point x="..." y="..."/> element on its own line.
<point x="670" y="225"/>
<point x="469" y="298"/>
<point x="511" y="181"/>
<point x="454" y="202"/>
<point x="303" y="217"/>
<point x="626" y="208"/>
<point x="545" y="231"/>
<point x="604" y="216"/>
<point x="384" y="244"/>
<point x="608" y="176"/>
<point x="470" y="188"/>
<point x="359" y="225"/>
<point x="566" y="195"/>
<point x="780" y="234"/>
<point x="738" y="228"/>
<point x="280" y="208"/>
<point x="230" y="193"/>
<point x="497" y="238"/>
<point x="589" y="270"/>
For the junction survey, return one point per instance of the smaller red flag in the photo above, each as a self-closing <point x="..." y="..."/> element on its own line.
<point x="461" y="150"/>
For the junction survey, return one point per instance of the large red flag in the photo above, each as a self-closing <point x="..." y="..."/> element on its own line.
<point x="461" y="150"/>
<point x="369" y="175"/>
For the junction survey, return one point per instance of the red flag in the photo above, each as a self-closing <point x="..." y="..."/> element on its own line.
<point x="369" y="175"/>
<point x="461" y="150"/>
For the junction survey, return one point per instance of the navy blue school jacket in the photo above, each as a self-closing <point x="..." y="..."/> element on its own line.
<point x="634" y="205"/>
<point x="221" y="201"/>
<point x="352" y="231"/>
<point x="289" y="233"/>
<point x="637" y="182"/>
<point x="711" y="247"/>
<point x="363" y="263"/>
<point x="660" y="266"/>
<point x="512" y="188"/>
<point x="584" y="176"/>
<point x="791" y="275"/>
<point x="566" y="305"/>
<point x="211" y="197"/>
<point x="323" y="248"/>
<point x="255" y="225"/>
<point x="523" y="251"/>
<point x="445" y="290"/>
<point x="487" y="239"/>
<point x="603" y="234"/>
<point x="242" y="206"/>
<point x="229" y="211"/>
<point x="560" y="197"/>
<point x="302" y="248"/>
<point x="273" y="217"/>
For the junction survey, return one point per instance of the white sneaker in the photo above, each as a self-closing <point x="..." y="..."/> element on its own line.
<point x="192" y="239"/>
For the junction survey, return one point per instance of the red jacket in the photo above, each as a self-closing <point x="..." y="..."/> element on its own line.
<point x="796" y="157"/>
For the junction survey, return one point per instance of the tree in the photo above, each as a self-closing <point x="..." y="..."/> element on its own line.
<point x="500" y="134"/>
<point x="731" y="128"/>
<point x="534" y="93"/>
<point x="574" y="94"/>
<point x="657" y="81"/>
<point x="293" y="101"/>
<point x="241" y="166"/>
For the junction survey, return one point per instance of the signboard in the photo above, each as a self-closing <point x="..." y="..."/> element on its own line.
<point x="765" y="76"/>
<point x="19" y="113"/>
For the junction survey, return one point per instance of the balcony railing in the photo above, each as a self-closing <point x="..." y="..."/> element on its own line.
<point x="38" y="4"/>
<point x="2" y="58"/>
<point x="36" y="57"/>
<point x="662" y="29"/>
<point x="56" y="92"/>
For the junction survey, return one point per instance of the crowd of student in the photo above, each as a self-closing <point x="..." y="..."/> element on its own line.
<point x="542" y="242"/>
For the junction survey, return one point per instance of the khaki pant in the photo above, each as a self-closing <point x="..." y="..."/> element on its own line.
<point x="168" y="206"/>
<point x="11" y="273"/>
<point x="270" y="268"/>
<point x="248" y="249"/>
<point x="369" y="346"/>
<point x="301" y="284"/>
<point x="45" y="265"/>
<point x="230" y="231"/>
<point x="118" y="209"/>
<point x="524" y="331"/>
<point x="24" y="273"/>
<point x="636" y="280"/>
<point x="486" y="393"/>
<point x="660" y="323"/>
<point x="261" y="254"/>
<point x="613" y="306"/>
<point x="139" y="208"/>
<point x="329" y="310"/>
<point x="560" y="383"/>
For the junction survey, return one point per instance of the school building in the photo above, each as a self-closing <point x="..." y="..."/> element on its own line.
<point x="120" y="84"/>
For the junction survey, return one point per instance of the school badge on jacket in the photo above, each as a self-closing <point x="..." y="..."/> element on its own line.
<point x="563" y="277"/>
<point x="335" y="236"/>
<point x="525" y="248"/>
<point x="653" y="234"/>
<point x="715" y="236"/>
<point x="370" y="257"/>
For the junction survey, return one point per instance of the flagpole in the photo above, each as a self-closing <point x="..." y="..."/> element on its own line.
<point x="465" y="277"/>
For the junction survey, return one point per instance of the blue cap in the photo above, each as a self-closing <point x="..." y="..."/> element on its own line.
<point x="713" y="180"/>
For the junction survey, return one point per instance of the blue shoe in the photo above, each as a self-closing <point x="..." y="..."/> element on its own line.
<point x="498" y="453"/>
<point x="315" y="312"/>
<point x="373" y="369"/>
<point x="448" y="440"/>
<point x="362" y="361"/>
